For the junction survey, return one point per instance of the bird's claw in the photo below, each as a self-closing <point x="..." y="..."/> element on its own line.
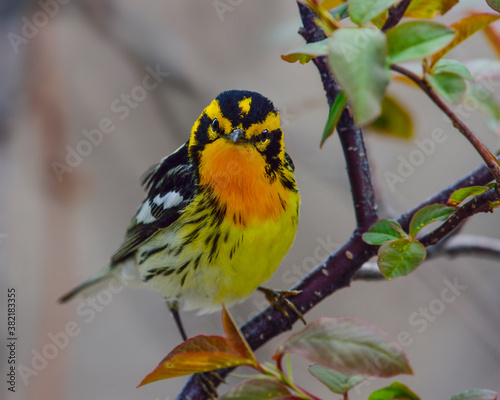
<point x="279" y="300"/>
<point x="208" y="385"/>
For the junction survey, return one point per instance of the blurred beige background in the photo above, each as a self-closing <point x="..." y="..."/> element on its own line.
<point x="56" y="234"/>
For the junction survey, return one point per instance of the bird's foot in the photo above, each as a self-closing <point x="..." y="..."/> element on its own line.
<point x="206" y="381"/>
<point x="279" y="300"/>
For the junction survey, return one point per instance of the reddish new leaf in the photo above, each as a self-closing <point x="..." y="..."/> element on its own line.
<point x="252" y="389"/>
<point x="198" y="354"/>
<point x="347" y="345"/>
<point x="235" y="337"/>
<point x="465" y="28"/>
<point x="475" y="394"/>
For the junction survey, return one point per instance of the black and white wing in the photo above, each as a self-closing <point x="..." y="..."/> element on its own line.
<point x="171" y="188"/>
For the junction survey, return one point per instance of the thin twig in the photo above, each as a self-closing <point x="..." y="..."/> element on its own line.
<point x="487" y="156"/>
<point x="479" y="204"/>
<point x="468" y="245"/>
<point x="396" y="12"/>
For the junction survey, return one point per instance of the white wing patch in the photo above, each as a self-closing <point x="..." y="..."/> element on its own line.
<point x="144" y="214"/>
<point x="170" y="199"/>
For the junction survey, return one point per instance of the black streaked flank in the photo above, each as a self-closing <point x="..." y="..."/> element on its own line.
<point x="183" y="279"/>
<point x="197" y="262"/>
<point x="146" y="254"/>
<point x="193" y="235"/>
<point x="182" y="268"/>
<point x="156" y="272"/>
<point x="167" y="271"/>
<point x="282" y="202"/>
<point x="214" y="249"/>
<point x="179" y="250"/>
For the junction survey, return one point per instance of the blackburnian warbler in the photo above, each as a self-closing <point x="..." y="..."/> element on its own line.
<point x="220" y="214"/>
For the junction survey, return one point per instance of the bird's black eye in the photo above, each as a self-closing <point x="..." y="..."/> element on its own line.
<point x="264" y="135"/>
<point x="215" y="125"/>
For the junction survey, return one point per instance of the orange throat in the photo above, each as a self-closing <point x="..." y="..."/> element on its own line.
<point x="235" y="173"/>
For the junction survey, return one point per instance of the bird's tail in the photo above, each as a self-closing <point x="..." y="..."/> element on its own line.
<point x="92" y="285"/>
<point x="119" y="275"/>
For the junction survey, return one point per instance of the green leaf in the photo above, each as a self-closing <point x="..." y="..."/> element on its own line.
<point x="307" y="52"/>
<point x="357" y="57"/>
<point x="428" y="9"/>
<point x="495" y="4"/>
<point x="494" y="204"/>
<point x="362" y="11"/>
<point x="396" y="391"/>
<point x="400" y="257"/>
<point x="475" y="394"/>
<point x="335" y="381"/>
<point x="252" y="389"/>
<point x="394" y="120"/>
<point x="429" y="214"/>
<point x="415" y="40"/>
<point x="461" y="194"/>
<point x="340" y="12"/>
<point x="347" y="345"/>
<point x="452" y="67"/>
<point x="465" y="28"/>
<point x="450" y="86"/>
<point x="334" y="116"/>
<point x="384" y="231"/>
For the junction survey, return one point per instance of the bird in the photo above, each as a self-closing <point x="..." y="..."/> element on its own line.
<point x="220" y="213"/>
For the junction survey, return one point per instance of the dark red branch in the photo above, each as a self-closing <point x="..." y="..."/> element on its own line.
<point x="396" y="12"/>
<point x="351" y="136"/>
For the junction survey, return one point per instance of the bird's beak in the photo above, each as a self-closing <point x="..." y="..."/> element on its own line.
<point x="236" y="135"/>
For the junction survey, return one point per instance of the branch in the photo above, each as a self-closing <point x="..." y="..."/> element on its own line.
<point x="369" y="271"/>
<point x="339" y="269"/>
<point x="477" y="205"/>
<point x="396" y="12"/>
<point x="351" y="136"/>
<point x="467" y="245"/>
<point x="488" y="158"/>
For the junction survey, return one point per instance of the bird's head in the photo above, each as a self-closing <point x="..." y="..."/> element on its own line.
<point x="238" y="127"/>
